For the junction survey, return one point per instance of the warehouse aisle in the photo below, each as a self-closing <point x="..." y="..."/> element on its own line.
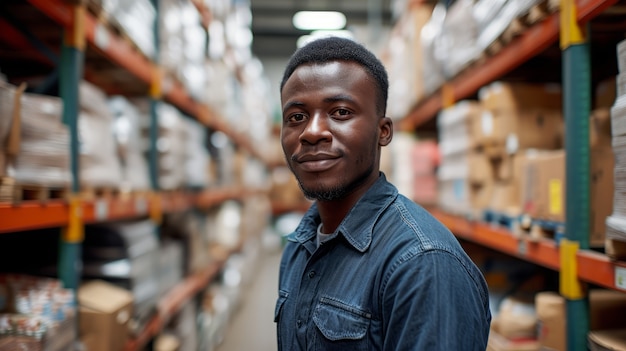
<point x="252" y="326"/>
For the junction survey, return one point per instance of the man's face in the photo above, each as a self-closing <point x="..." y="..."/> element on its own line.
<point x="331" y="133"/>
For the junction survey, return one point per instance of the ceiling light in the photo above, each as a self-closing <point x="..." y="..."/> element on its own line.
<point x="311" y="20"/>
<point x="317" y="34"/>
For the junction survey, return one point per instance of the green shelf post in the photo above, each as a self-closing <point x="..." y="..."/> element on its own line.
<point x="71" y="72"/>
<point x="576" y="108"/>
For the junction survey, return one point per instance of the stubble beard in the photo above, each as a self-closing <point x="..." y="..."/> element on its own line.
<point x="332" y="193"/>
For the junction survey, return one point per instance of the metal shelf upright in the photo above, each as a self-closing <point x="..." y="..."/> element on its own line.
<point x="71" y="71"/>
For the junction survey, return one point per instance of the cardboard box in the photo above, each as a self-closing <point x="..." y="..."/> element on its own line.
<point x="605" y="93"/>
<point x="518" y="116"/>
<point x="607" y="309"/>
<point x="543" y="189"/>
<point x="518" y="96"/>
<point x="543" y="185"/>
<point x="600" y="130"/>
<point x="551" y="315"/>
<point x="104" y="313"/>
<point x="602" y="340"/>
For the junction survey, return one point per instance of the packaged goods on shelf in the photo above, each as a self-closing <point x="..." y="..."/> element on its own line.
<point x="99" y="163"/>
<point x="605" y="93"/>
<point x="136" y="18"/>
<point x="455" y="148"/>
<point x="127" y="255"/>
<point x="614" y="340"/>
<point x="607" y="327"/>
<point x="433" y="76"/>
<point x="424" y="160"/>
<point x="191" y="229"/>
<point x="225" y="222"/>
<point x="543" y="192"/>
<point x="621" y="56"/>
<point x="105" y="312"/>
<point x="520" y="116"/>
<point x="616" y="222"/>
<point x="42" y="157"/>
<point x="404" y="61"/>
<point x="412" y="167"/>
<point x="183" y="45"/>
<point x="458" y="38"/>
<point x="197" y="160"/>
<point x="495" y="26"/>
<point x="127" y="133"/>
<point x="514" y="326"/>
<point x="551" y="316"/>
<point x="170" y="269"/>
<point x="36" y="313"/>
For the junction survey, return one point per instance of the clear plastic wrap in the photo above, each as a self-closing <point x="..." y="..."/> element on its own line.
<point x="99" y="162"/>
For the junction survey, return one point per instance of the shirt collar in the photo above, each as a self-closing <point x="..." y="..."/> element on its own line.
<point x="357" y="227"/>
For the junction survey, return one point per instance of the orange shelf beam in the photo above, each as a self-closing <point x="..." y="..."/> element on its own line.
<point x="31" y="215"/>
<point x="593" y="267"/>
<point x="532" y="42"/>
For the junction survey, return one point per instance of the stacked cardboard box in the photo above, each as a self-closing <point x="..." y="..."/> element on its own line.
<point x="516" y="118"/>
<point x="616" y="222"/>
<point x="34" y="148"/>
<point x="99" y="162"/>
<point x="455" y="148"/>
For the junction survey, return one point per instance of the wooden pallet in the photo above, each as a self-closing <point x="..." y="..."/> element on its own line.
<point x="11" y="191"/>
<point x="615" y="248"/>
<point x="536" y="228"/>
<point x="537" y="13"/>
<point x="508" y="221"/>
<point x="95" y="192"/>
<point x="108" y="21"/>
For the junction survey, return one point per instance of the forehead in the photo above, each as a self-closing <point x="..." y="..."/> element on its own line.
<point x="341" y="74"/>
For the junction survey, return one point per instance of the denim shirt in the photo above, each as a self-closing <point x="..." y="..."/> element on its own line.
<point x="391" y="278"/>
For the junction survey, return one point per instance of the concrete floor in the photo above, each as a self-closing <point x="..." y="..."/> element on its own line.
<point x="252" y="325"/>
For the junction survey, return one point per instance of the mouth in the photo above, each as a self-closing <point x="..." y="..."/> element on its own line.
<point x="316" y="163"/>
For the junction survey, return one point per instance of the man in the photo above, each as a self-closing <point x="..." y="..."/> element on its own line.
<point x="367" y="268"/>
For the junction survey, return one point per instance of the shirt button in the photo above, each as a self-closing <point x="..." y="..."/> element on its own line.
<point x="311" y="274"/>
<point x="299" y="323"/>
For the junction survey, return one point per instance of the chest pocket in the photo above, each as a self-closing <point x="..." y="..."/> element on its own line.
<point x="282" y="297"/>
<point x="340" y="326"/>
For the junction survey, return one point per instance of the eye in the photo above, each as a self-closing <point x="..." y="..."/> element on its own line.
<point x="341" y="113"/>
<point x="296" y="117"/>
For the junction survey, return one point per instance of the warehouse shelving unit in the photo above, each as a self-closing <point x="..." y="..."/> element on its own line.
<point x="570" y="256"/>
<point x="90" y="45"/>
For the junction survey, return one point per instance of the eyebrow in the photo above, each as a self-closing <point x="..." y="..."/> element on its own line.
<point x="331" y="99"/>
<point x="338" y="98"/>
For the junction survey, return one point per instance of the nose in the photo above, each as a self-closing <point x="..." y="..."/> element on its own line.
<point x="316" y="130"/>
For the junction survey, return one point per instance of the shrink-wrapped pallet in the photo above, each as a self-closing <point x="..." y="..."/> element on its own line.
<point x="172" y="147"/>
<point x="42" y="153"/>
<point x="197" y="161"/>
<point x="99" y="162"/>
<point x="127" y="131"/>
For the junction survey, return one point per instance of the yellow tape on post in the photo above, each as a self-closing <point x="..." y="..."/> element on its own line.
<point x="570" y="286"/>
<point x="447" y="95"/>
<point x="75" y="36"/>
<point x="571" y="33"/>
<point x="74" y="232"/>
<point x="156" y="86"/>
<point x="156" y="208"/>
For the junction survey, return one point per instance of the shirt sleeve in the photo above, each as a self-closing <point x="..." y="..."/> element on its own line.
<point x="433" y="301"/>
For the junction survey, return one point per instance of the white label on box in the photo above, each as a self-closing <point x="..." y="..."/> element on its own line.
<point x="512" y="144"/>
<point x="487" y="123"/>
<point x="101" y="36"/>
<point x="102" y="209"/>
<point x="620" y="277"/>
<point x="141" y="205"/>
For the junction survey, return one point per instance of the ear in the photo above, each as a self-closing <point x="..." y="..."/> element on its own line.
<point x="386" y="131"/>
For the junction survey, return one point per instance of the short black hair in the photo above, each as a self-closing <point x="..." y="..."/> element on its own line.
<point x="330" y="49"/>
